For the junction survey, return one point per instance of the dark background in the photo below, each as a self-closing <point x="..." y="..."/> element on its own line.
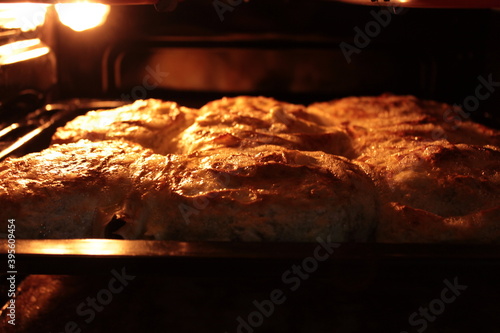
<point x="431" y="53"/>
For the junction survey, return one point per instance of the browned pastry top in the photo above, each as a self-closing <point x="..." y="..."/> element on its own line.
<point x="151" y="123"/>
<point x="438" y="178"/>
<point x="74" y="190"/>
<point x="245" y="121"/>
<point x="68" y="190"/>
<point x="389" y="168"/>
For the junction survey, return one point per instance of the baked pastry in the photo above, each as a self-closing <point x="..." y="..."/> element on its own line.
<point x="438" y="193"/>
<point x="245" y="121"/>
<point x="258" y="194"/>
<point x="385" y="168"/>
<point x="238" y="122"/>
<point x="398" y="121"/>
<point x="151" y="123"/>
<point x="438" y="180"/>
<point x="70" y="190"/>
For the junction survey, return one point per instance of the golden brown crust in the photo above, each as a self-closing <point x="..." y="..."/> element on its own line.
<point x="73" y="190"/>
<point x="151" y="123"/>
<point x="68" y="191"/>
<point x="244" y="121"/>
<point x="442" y="178"/>
<point x="269" y="194"/>
<point x="438" y="179"/>
<point x="253" y="169"/>
<point x="403" y="224"/>
<point x="401" y="119"/>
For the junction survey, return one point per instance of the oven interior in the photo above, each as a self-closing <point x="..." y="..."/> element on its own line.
<point x="295" y="51"/>
<point x="290" y="50"/>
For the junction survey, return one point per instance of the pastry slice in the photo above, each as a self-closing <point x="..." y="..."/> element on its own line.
<point x="151" y="123"/>
<point x="94" y="189"/>
<point x="245" y="122"/>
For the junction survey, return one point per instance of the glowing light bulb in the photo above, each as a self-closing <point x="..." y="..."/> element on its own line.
<point x="82" y="16"/>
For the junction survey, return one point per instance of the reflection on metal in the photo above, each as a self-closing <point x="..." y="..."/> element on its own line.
<point x="92" y="256"/>
<point x="93" y="247"/>
<point x="26" y="138"/>
<point x="47" y="118"/>
<point x="84" y="246"/>
<point x="8" y="129"/>
<point x="22" y="50"/>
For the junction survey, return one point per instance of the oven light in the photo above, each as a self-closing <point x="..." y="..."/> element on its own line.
<point x="82" y="16"/>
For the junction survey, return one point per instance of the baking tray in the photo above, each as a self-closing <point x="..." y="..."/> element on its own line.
<point x="207" y="286"/>
<point x="94" y="256"/>
<point x="32" y="130"/>
<point x="89" y="256"/>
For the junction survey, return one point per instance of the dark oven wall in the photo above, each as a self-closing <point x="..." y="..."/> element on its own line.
<point x="299" y="51"/>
